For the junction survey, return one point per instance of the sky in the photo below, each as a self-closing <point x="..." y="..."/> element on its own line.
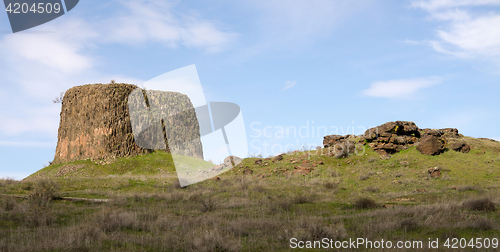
<point x="299" y="70"/>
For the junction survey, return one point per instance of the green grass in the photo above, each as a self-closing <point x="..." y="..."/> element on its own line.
<point x="148" y="211"/>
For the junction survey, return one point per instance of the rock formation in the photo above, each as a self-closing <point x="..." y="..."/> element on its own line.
<point x="338" y="146"/>
<point x="392" y="137"/>
<point x="95" y="124"/>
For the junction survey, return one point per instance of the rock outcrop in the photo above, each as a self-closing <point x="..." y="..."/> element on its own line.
<point x="95" y="124"/>
<point x="392" y="137"/>
<point x="338" y="146"/>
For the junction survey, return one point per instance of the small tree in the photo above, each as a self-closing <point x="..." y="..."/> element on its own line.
<point x="59" y="99"/>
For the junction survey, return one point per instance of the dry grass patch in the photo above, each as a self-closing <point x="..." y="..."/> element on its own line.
<point x="484" y="204"/>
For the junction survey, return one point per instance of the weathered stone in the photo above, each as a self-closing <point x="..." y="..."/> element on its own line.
<point x="387" y="129"/>
<point x="392" y="137"/>
<point x="431" y="145"/>
<point x="258" y="161"/>
<point x="277" y="158"/>
<point x="434" y="172"/>
<point x="461" y="147"/>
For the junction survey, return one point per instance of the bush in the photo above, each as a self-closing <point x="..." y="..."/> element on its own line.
<point x="38" y="216"/>
<point x="27" y="186"/>
<point x="8" y="203"/>
<point x="44" y="192"/>
<point x="485" y="205"/>
<point x="302" y="199"/>
<point x="330" y="185"/>
<point x="207" y="205"/>
<point x="365" y="203"/>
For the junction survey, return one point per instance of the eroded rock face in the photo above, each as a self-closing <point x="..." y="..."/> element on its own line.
<point x="338" y="146"/>
<point x="95" y="124"/>
<point x="392" y="137"/>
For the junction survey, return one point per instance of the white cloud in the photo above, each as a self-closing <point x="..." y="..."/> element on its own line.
<point x="289" y="84"/>
<point x="466" y="34"/>
<point x="60" y="51"/>
<point x="399" y="88"/>
<point x="37" y="66"/>
<point x="434" y="5"/>
<point x="155" y="21"/>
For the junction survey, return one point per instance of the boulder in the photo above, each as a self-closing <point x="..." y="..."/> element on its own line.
<point x="248" y="171"/>
<point x="434" y="172"/>
<point x="461" y="147"/>
<point x="277" y="158"/>
<point x="431" y="145"/>
<point x="301" y="170"/>
<point x="258" y="161"/>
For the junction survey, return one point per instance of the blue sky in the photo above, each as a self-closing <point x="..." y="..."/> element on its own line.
<point x="339" y="65"/>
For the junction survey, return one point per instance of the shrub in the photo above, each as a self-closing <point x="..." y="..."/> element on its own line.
<point x="44" y="192"/>
<point x="330" y="185"/>
<point x="27" y="186"/>
<point x="207" y="205"/>
<point x="302" y="199"/>
<point x="285" y="205"/>
<point x="365" y="203"/>
<point x="485" y="205"/>
<point x="38" y="216"/>
<point x="8" y="203"/>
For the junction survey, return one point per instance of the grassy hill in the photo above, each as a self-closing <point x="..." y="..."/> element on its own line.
<point x="362" y="196"/>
